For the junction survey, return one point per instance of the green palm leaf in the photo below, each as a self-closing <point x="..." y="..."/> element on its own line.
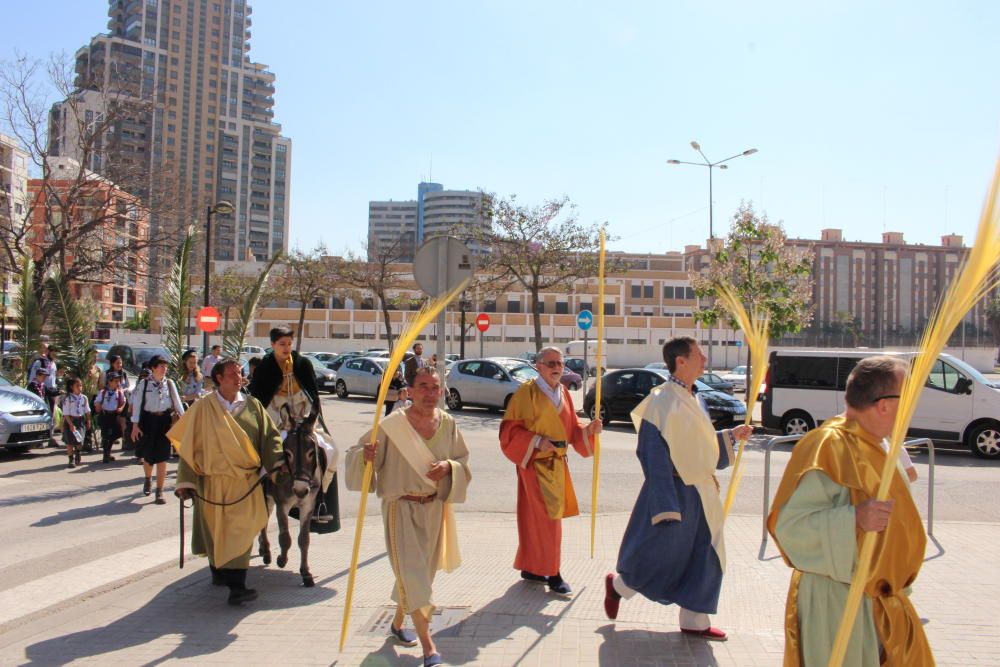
<point x="235" y="335"/>
<point x="72" y="330"/>
<point x="29" y="321"/>
<point x="176" y="302"/>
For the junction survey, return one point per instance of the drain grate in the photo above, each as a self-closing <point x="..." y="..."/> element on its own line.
<point x="442" y="620"/>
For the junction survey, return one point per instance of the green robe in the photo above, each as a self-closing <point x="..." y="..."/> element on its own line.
<point x="266" y="439"/>
<point x="816" y="530"/>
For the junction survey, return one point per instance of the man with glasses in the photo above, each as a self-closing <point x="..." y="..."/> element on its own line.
<point x="824" y="506"/>
<point x="539" y="424"/>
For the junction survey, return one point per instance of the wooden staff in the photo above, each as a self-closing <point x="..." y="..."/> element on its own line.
<point x="595" y="481"/>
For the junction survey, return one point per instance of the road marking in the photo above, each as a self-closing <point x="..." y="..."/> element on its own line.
<point x="64" y="585"/>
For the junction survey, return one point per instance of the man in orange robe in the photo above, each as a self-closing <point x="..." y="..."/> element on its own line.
<point x="539" y="424"/>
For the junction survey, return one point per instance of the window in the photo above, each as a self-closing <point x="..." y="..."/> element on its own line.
<point x="562" y="308"/>
<point x="609" y="309"/>
<point x="636" y="291"/>
<point x="647" y="291"/>
<point x="804" y="372"/>
<point x="668" y="291"/>
<point x="943" y="377"/>
<point x="513" y="306"/>
<point x="470" y="368"/>
<point x="624" y="383"/>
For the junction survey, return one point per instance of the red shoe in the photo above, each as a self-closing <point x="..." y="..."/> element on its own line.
<point x="611" y="597"/>
<point x="711" y="634"/>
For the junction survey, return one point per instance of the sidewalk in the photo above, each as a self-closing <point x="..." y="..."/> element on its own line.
<point x="488" y="616"/>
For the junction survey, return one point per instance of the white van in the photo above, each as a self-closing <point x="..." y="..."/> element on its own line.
<point x="958" y="405"/>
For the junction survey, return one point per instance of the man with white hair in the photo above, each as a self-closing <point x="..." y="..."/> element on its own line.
<point x="539" y="424"/>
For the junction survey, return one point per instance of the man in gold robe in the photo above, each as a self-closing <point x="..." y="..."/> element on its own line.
<point x="421" y="467"/>
<point x="539" y="424"/>
<point x="824" y="506"/>
<point x="226" y="442"/>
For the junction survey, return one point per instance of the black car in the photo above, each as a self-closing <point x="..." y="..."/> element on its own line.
<point x="716" y="382"/>
<point x="622" y="390"/>
<point x="134" y="356"/>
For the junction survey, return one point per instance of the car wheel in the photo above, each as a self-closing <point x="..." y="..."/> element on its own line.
<point x="984" y="440"/>
<point x="453" y="400"/>
<point x="573" y="386"/>
<point x="605" y="419"/>
<point x="797" y="422"/>
<point x="341" y="389"/>
<point x="506" y="402"/>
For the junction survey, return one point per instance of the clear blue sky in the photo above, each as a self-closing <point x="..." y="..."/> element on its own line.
<point x="868" y="116"/>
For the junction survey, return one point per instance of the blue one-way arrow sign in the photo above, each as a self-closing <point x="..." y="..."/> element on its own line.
<point x="584" y="319"/>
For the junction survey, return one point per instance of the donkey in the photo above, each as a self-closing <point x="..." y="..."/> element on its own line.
<point x="296" y="489"/>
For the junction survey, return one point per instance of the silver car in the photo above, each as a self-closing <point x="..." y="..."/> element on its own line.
<point x="360" y="375"/>
<point x="485" y="382"/>
<point x="24" y="419"/>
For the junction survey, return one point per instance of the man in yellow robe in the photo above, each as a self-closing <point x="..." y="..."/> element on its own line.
<point x="539" y="424"/>
<point x="824" y="506"/>
<point x="226" y="442"/>
<point x="421" y="467"/>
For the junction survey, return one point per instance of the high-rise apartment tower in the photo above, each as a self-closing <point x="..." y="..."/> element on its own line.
<point x="206" y="124"/>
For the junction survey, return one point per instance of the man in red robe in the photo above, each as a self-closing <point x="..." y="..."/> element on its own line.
<point x="539" y="424"/>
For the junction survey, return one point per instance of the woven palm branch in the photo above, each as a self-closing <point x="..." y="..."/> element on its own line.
<point x="755" y="324"/>
<point x="235" y="336"/>
<point x="29" y="321"/>
<point x="72" y="331"/>
<point x="976" y="277"/>
<point x="177" y="302"/>
<point x="423" y="318"/>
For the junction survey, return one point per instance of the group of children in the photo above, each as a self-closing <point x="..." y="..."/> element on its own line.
<point x="109" y="405"/>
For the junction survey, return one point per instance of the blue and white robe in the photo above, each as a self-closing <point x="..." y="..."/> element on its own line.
<point x="673" y="551"/>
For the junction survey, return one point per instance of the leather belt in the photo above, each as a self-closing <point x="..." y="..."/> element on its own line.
<point x="419" y="499"/>
<point x="156" y="414"/>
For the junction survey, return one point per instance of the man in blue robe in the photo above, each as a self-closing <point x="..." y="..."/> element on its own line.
<point x="672" y="551"/>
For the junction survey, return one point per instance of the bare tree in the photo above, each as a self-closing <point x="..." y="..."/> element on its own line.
<point x="304" y="277"/>
<point x="92" y="187"/>
<point x="538" y="248"/>
<point x="377" y="272"/>
<point x="229" y="290"/>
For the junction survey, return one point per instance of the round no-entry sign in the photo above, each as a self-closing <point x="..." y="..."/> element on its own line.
<point x="482" y="322"/>
<point x="208" y="319"/>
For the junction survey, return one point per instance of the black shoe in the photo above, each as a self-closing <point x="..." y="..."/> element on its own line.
<point x="76" y="459"/>
<point x="557" y="585"/>
<point x="238" y="596"/>
<point x="146" y="486"/>
<point x="159" y="498"/>
<point x="531" y="576"/>
<point x="71" y="464"/>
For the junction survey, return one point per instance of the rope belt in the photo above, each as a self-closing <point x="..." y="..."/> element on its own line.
<point x="422" y="500"/>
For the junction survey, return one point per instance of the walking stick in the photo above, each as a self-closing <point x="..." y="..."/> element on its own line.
<point x="596" y="477"/>
<point x="180" y="506"/>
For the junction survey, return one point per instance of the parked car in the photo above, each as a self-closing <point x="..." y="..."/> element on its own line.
<point x="452" y="357"/>
<point x="571" y="380"/>
<point x="252" y="351"/>
<point x="335" y="363"/>
<point x="717" y="383"/>
<point x="580" y="367"/>
<point x="359" y="375"/>
<point x="326" y="379"/>
<point x="24" y="419"/>
<point x="487" y="383"/>
<point x="623" y="390"/>
<point x="738" y="377"/>
<point x="656" y="365"/>
<point x="325" y="357"/>
<point x="958" y="406"/>
<point x="134" y="356"/>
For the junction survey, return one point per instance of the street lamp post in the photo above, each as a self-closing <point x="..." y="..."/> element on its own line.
<point x="711" y="229"/>
<point x="225" y="208"/>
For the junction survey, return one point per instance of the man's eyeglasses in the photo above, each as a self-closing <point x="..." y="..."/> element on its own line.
<point x="551" y="364"/>
<point x="885" y="397"/>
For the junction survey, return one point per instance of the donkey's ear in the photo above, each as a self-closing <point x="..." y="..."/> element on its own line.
<point x="310" y="420"/>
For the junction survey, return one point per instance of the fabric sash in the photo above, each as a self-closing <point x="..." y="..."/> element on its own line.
<point x="220" y="452"/>
<point x="414" y="450"/>
<point x="694" y="449"/>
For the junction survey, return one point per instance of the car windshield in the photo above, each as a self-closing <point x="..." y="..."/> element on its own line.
<point x="739" y="370"/>
<point x="509" y="363"/>
<point x="968" y="370"/>
<point x="523" y="373"/>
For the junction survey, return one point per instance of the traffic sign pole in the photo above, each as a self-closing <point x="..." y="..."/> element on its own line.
<point x="586" y="338"/>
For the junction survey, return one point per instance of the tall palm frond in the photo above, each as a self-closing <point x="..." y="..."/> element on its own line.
<point x="72" y="330"/>
<point x="236" y="334"/>
<point x="29" y="321"/>
<point x="177" y="301"/>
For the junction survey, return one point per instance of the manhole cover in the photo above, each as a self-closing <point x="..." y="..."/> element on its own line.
<point x="442" y="620"/>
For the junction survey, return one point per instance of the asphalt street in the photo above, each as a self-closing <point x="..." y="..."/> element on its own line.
<point x="52" y="516"/>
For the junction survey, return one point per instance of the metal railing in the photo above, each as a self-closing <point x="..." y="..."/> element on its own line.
<point x="785" y="439"/>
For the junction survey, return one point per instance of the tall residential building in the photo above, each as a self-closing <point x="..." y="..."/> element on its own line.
<point x="13" y="183"/>
<point x="435" y="212"/>
<point x="201" y="119"/>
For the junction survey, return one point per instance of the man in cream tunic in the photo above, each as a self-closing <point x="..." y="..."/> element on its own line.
<point x="421" y="467"/>
<point x="673" y="550"/>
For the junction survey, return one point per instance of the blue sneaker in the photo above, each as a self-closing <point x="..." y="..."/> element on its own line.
<point x="432" y="659"/>
<point x="404" y="636"/>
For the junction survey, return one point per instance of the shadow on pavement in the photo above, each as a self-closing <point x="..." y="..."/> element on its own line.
<point x="188" y="619"/>
<point x="120" y="505"/>
<point x="638" y="646"/>
<point x="61" y="494"/>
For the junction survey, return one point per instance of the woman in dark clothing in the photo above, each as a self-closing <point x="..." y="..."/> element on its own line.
<point x="285" y="384"/>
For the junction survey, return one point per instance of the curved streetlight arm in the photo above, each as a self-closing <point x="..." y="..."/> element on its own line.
<point x="697" y="164"/>
<point x="732" y="157"/>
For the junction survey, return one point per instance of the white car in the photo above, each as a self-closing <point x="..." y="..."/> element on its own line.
<point x="738" y="376"/>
